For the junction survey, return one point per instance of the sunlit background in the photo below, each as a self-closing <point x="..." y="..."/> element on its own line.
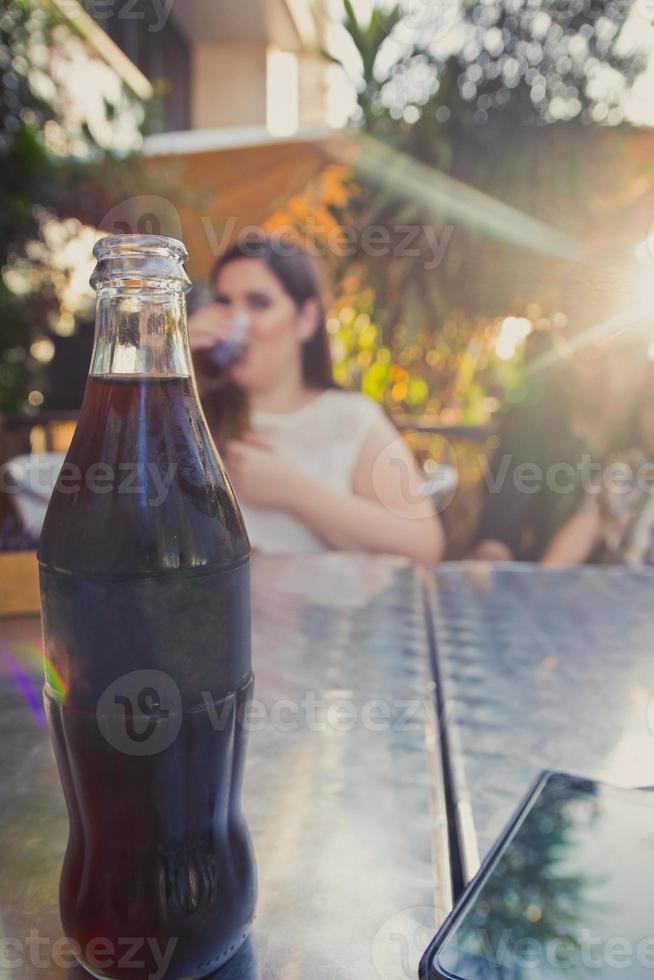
<point x="475" y="158"/>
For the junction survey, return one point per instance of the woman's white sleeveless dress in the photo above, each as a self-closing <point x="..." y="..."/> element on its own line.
<point x="323" y="439"/>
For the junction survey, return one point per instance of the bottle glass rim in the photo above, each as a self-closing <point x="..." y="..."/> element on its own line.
<point x="120" y="245"/>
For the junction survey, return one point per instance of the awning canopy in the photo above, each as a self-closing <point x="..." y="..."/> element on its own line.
<point x="588" y="193"/>
<point x="236" y="177"/>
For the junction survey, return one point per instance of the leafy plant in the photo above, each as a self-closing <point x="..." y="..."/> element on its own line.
<point x="464" y="90"/>
<point x="62" y="167"/>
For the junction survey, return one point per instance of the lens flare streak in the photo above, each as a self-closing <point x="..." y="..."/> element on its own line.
<point x="446" y="197"/>
<point x="25" y="685"/>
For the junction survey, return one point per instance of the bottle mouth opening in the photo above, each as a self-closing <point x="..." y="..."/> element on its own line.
<point x="139" y="261"/>
<point x="157" y="245"/>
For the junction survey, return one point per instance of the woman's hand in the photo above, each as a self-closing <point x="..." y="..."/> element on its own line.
<point x="489" y="549"/>
<point x="260" y="474"/>
<point x="207" y="327"/>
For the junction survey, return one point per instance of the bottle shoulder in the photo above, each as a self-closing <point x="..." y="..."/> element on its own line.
<point x="142" y="489"/>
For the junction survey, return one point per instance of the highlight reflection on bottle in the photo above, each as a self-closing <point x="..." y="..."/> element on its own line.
<point x="144" y="565"/>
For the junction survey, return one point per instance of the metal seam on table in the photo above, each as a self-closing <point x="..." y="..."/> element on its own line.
<point x="459" y="799"/>
<point x="444" y="761"/>
<point x="443" y="890"/>
<point x="465" y="824"/>
<point x="443" y="893"/>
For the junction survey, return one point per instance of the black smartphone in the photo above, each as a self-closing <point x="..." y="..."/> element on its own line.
<point x="566" y="892"/>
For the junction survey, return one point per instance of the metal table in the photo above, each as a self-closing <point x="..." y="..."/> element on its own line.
<point x="540" y="668"/>
<point x="343" y="790"/>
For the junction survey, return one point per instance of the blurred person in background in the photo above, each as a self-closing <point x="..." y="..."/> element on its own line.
<point x="314" y="467"/>
<point x="581" y="383"/>
<point x="522" y="509"/>
<point x="616" y="517"/>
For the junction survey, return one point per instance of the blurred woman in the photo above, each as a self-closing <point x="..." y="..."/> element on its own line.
<point x="314" y="467"/>
<point x="617" y="514"/>
<point x="546" y="430"/>
<point x="581" y="385"/>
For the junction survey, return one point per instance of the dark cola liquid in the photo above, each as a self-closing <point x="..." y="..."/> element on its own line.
<point x="145" y="602"/>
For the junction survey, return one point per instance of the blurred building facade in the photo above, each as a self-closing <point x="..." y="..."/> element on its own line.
<point x="250" y="63"/>
<point x="240" y="107"/>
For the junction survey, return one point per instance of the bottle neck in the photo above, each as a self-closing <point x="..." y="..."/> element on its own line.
<point x="141" y="331"/>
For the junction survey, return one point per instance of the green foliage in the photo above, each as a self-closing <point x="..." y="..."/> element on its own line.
<point x="27" y="173"/>
<point x="57" y="173"/>
<point x="465" y="64"/>
<point x="24" y="162"/>
<point x="24" y="165"/>
<point x="466" y="85"/>
<point x="426" y="372"/>
<point x="368" y="39"/>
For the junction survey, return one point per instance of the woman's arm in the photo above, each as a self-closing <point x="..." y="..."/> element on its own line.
<point x="575" y="541"/>
<point x="385" y="512"/>
<point x="350" y="522"/>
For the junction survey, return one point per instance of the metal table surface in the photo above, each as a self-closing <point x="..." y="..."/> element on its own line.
<point x="540" y="668"/>
<point x="343" y="791"/>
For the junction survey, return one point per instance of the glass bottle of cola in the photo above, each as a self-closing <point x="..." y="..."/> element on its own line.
<point x="146" y="622"/>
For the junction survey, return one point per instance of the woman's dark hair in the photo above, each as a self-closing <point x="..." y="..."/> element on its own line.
<point x="299" y="276"/>
<point x="226" y="409"/>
